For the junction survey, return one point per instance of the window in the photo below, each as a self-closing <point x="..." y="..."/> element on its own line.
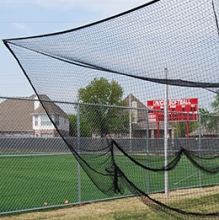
<point x="57" y="120"/>
<point x="46" y="135"/>
<point x="8" y="135"/>
<point x="45" y="121"/>
<point x="17" y="135"/>
<point x="36" y="120"/>
<point x="27" y="135"/>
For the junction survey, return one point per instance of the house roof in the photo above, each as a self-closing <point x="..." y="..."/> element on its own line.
<point x="16" y="114"/>
<point x="132" y="98"/>
<point x="51" y="107"/>
<point x="205" y="132"/>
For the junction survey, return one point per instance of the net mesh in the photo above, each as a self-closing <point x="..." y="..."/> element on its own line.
<point x="132" y="51"/>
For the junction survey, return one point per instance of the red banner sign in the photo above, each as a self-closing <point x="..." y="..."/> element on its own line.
<point x="185" y="109"/>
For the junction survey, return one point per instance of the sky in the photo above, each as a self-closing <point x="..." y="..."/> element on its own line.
<point x="23" y="18"/>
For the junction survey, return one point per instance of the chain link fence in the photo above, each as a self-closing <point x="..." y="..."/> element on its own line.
<point x="38" y="170"/>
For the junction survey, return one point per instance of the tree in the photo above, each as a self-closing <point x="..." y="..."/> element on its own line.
<point x="215" y="104"/>
<point x="103" y="119"/>
<point x="210" y="119"/>
<point x="85" y="130"/>
<point x="181" y="127"/>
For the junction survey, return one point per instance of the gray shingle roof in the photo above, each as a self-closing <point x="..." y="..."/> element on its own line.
<point x="15" y="115"/>
<point x="51" y="107"/>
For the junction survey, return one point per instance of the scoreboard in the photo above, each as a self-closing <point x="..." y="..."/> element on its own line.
<point x="185" y="109"/>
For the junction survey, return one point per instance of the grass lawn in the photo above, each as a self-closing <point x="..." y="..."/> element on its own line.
<point x="28" y="182"/>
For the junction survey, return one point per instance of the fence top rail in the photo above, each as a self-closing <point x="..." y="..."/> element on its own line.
<point x="101" y="105"/>
<point x="73" y="103"/>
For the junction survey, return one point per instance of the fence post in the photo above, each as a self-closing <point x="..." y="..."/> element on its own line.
<point x="130" y="123"/>
<point x="78" y="149"/>
<point x="147" y="150"/>
<point x="199" y="146"/>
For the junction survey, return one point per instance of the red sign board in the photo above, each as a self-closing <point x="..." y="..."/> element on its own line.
<point x="185" y="109"/>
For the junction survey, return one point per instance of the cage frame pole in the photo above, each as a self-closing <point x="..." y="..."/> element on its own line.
<point x="130" y="117"/>
<point x="166" y="181"/>
<point x="147" y="152"/>
<point x="199" y="145"/>
<point x="78" y="149"/>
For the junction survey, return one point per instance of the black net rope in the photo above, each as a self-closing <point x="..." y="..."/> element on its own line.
<point x="114" y="180"/>
<point x="181" y="28"/>
<point x="136" y="44"/>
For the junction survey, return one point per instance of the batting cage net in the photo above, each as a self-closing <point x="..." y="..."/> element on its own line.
<point x="145" y="87"/>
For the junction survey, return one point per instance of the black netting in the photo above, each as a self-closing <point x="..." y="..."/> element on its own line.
<point x="134" y="49"/>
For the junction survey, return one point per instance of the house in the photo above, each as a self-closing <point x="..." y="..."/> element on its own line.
<point x="205" y="132"/>
<point x="139" y="125"/>
<point x="27" y="118"/>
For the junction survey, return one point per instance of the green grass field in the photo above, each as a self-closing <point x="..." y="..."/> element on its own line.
<point x="28" y="182"/>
